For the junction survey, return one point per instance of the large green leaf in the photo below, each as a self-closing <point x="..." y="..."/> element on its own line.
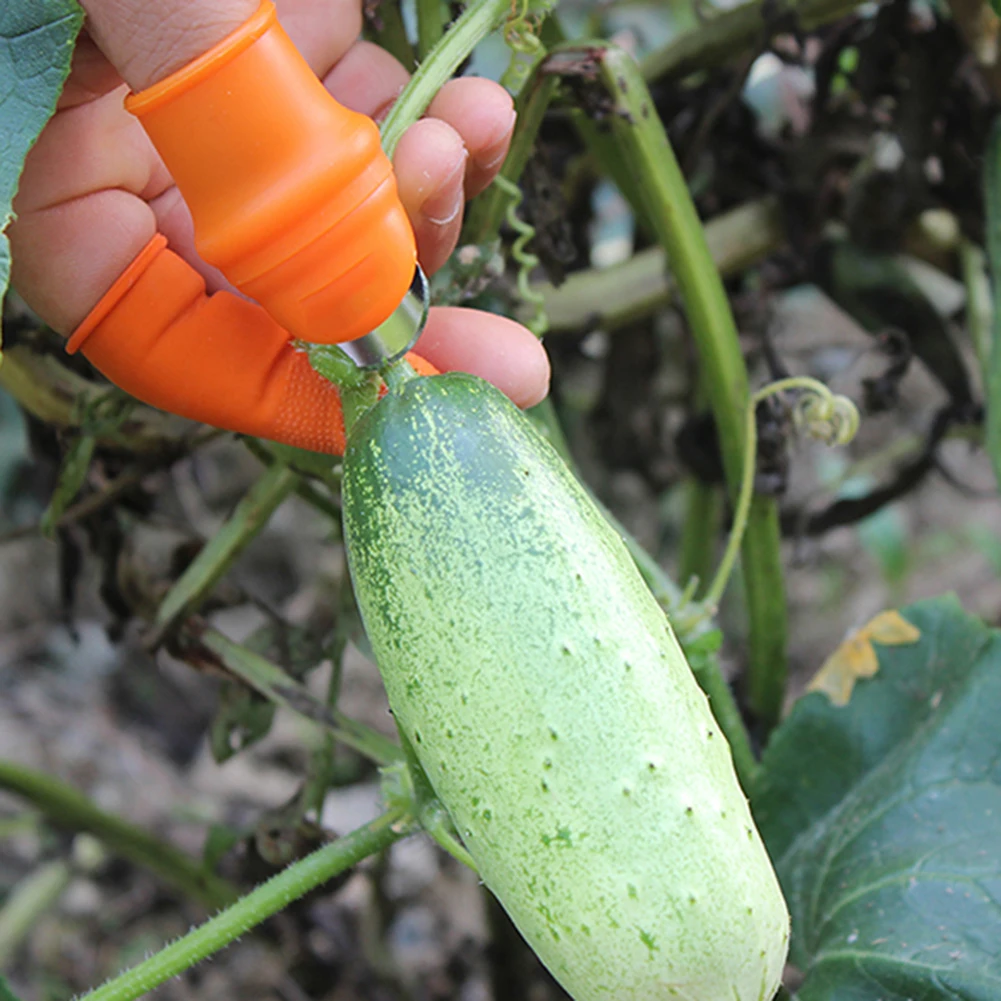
<point x="36" y="44"/>
<point x="883" y="818"/>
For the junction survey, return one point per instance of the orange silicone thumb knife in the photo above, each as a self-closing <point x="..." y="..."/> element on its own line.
<point x="295" y="202"/>
<point x="292" y="197"/>
<point x="219" y="358"/>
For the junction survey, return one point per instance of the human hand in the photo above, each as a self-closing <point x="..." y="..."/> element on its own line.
<point x="95" y="192"/>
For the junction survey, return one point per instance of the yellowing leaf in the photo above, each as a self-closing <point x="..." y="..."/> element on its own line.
<point x="856" y="658"/>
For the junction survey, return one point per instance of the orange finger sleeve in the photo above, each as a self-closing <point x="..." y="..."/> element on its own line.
<point x="292" y="196"/>
<point x="213" y="358"/>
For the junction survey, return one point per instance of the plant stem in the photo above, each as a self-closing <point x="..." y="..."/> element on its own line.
<point x="274" y="684"/>
<point x="730" y="33"/>
<point x="726" y="712"/>
<point x="397" y="373"/>
<point x="48" y="390"/>
<point x="837" y="424"/>
<point x="431" y="813"/>
<point x="392" y="35"/>
<point x="658" y="191"/>
<point x="617" y="296"/>
<point x="430" y="26"/>
<point x="483" y="221"/>
<point x="992" y="374"/>
<point x="979" y="304"/>
<point x="703" y="514"/>
<point x="247" y="520"/>
<point x="64" y="807"/>
<point x="476" y="22"/>
<point x="269" y="898"/>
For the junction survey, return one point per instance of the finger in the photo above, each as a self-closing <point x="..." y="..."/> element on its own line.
<point x="367" y="79"/>
<point x="482" y="112"/>
<point x="91" y="74"/>
<point x="173" y="219"/>
<point x="322" y="30"/>
<point x="148" y="41"/>
<point x="88" y="148"/>
<point x="430" y="163"/>
<point x="81" y="210"/>
<point x="493" y="347"/>
<point x="63" y="259"/>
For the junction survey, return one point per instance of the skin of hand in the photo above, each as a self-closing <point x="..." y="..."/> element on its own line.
<point x="94" y="191"/>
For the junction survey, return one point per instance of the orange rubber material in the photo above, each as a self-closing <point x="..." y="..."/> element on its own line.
<point x="213" y="358"/>
<point x="292" y="196"/>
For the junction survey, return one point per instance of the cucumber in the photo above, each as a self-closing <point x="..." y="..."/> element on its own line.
<point x="550" y="705"/>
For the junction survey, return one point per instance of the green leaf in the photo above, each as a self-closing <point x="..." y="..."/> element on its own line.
<point x="883" y="818"/>
<point x="36" y="44"/>
<point x="242" y="719"/>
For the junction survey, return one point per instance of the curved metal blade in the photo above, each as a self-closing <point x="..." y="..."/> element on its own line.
<point x="395" y="336"/>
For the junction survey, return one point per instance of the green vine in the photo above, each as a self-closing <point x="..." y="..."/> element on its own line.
<point x="269" y="898"/>
<point x="818" y="413"/>
<point x="521" y="33"/>
<point x="525" y="259"/>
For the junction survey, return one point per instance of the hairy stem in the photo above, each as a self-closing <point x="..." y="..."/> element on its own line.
<point x="248" y="912"/>
<point x="476" y="22"/>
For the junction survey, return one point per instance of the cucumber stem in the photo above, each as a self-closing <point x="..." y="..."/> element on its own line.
<point x="397" y="373"/>
<point x="267" y="899"/>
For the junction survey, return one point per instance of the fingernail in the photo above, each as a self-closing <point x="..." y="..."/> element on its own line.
<point x="442" y="208"/>
<point x="492" y="155"/>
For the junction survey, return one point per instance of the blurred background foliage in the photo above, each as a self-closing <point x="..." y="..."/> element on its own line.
<point x="836" y="155"/>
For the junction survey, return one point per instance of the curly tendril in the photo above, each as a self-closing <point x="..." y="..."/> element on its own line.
<point x="521" y="34"/>
<point x="827" y="417"/>
<point x="817" y="412"/>
<point x="525" y="259"/>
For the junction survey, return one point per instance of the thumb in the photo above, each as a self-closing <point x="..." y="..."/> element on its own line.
<point x="148" y="41"/>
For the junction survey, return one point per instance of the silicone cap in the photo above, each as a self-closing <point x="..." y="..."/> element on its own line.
<point x="292" y="196"/>
<point x="213" y="358"/>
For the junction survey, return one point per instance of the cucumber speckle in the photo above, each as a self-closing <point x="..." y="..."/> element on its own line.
<point x="517" y="639"/>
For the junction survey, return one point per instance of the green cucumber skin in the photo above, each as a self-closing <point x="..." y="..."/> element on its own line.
<point x="551" y="706"/>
